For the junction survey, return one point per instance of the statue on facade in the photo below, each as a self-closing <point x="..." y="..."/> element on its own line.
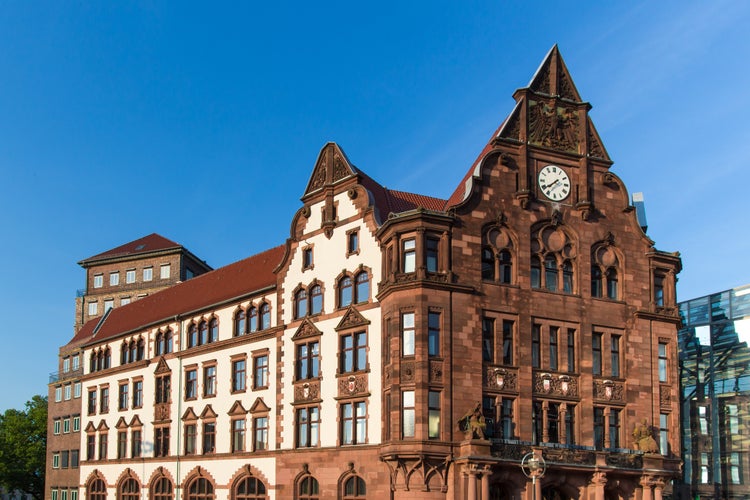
<point x="473" y="424"/>
<point x="643" y="438"/>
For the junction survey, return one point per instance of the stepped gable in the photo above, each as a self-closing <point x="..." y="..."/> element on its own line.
<point x="548" y="115"/>
<point x="225" y="283"/>
<point x="151" y="243"/>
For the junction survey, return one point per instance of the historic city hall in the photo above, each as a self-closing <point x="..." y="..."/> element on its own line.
<point x="515" y="341"/>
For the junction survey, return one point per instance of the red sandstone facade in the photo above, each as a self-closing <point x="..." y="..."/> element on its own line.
<point x="402" y="346"/>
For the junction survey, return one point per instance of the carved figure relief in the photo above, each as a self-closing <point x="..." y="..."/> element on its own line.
<point x="553" y="126"/>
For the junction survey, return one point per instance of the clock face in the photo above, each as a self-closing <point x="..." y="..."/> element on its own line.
<point x="554" y="183"/>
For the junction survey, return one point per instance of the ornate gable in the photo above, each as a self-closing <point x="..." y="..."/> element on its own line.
<point x="162" y="367"/>
<point x="189" y="415"/>
<point x="553" y="79"/>
<point x="259" y="406"/>
<point x="306" y="329"/>
<point x="331" y="167"/>
<point x="352" y="318"/>
<point x="121" y="424"/>
<point x="237" y="409"/>
<point x="136" y="422"/>
<point x="208" y="413"/>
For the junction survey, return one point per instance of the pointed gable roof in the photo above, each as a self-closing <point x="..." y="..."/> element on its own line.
<point x="148" y="244"/>
<point x="553" y="79"/>
<point x="226" y="283"/>
<point x="331" y="167"/>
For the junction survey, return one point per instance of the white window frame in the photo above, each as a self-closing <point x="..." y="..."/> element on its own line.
<point x="130" y="276"/>
<point x="98" y="280"/>
<point x="58" y="394"/>
<point x="93" y="308"/>
<point x="76" y="423"/>
<point x="66" y="389"/>
<point x="56" y="427"/>
<point x="66" y="365"/>
<point x="165" y="270"/>
<point x="76" y="362"/>
<point x="109" y="304"/>
<point x="148" y="273"/>
<point x="114" y="278"/>
<point x="124" y="301"/>
<point x="77" y="390"/>
<point x="56" y="460"/>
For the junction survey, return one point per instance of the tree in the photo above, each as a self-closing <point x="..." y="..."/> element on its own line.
<point x="23" y="447"/>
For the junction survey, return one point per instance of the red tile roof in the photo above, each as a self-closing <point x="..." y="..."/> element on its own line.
<point x="228" y="282"/>
<point x="388" y="201"/>
<point x="151" y="243"/>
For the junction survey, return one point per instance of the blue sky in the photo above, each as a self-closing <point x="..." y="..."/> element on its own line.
<point x="203" y="124"/>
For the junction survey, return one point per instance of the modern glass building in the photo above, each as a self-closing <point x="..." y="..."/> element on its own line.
<point x="715" y="395"/>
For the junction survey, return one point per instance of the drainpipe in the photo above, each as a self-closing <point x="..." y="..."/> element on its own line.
<point x="179" y="411"/>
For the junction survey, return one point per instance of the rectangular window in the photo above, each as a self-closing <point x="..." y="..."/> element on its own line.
<point x="599" y="428"/>
<point x="488" y="340"/>
<point x="553" y="335"/>
<point x="570" y="427"/>
<point x="130" y="276"/>
<point x="506" y="419"/>
<point x="165" y="271"/>
<point x="614" y="428"/>
<point x="260" y="371"/>
<point x="408" y="414"/>
<point x="137" y="393"/>
<point x="56" y="426"/>
<point x="124" y="301"/>
<point x="148" y="274"/>
<point x="703" y="420"/>
<point x="66" y="425"/>
<point x="663" y="362"/>
<point x="352" y="243"/>
<point x="536" y="331"/>
<point x="308" y="427"/>
<point x="571" y="350"/>
<point x="734" y="468"/>
<point x="353" y="423"/>
<point x="161" y="442"/>
<point x="56" y="460"/>
<point x="705" y="470"/>
<point x="76" y="423"/>
<point x="433" y="415"/>
<point x="93" y="308"/>
<point x="209" y="381"/>
<point x="77" y="390"/>
<point x="191" y="384"/>
<point x="307" y="258"/>
<point x="191" y="434"/>
<point x="409" y="253"/>
<point x="238" y="375"/>
<point x="103" y="438"/>
<point x="238" y="435"/>
<point x="122" y="444"/>
<point x="64" y="459"/>
<point x="104" y="403"/>
<point x="108" y="304"/>
<point x="98" y="280"/>
<point x="58" y="394"/>
<point x="507" y="342"/>
<point x="114" y="279"/>
<point x="553" y="422"/>
<point x="74" y="462"/>
<point x="433" y="334"/>
<point x="91" y="447"/>
<point x="596" y="353"/>
<point x="64" y="493"/>
<point x="664" y="434"/>
<point x="537" y="422"/>
<point x="66" y="391"/>
<point x="308" y="360"/>
<point x="431" y="254"/>
<point x="407" y="334"/>
<point x="76" y="362"/>
<point x="659" y="291"/>
<point x="260" y="440"/>
<point x="122" y="398"/>
<point x="92" y="401"/>
<point x="353" y="356"/>
<point x="163" y="389"/>
<point x="66" y="365"/>
<point x="135" y="443"/>
<point x="615" y="355"/>
<point x="733" y="419"/>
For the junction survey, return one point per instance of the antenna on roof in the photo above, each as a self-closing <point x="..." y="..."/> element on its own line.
<point x="640" y="210"/>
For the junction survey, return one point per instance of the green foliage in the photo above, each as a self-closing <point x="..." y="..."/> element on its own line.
<point x="23" y="446"/>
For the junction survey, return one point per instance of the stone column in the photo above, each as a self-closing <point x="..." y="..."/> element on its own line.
<point x="607" y="443"/>
<point x="646" y="486"/>
<point x="561" y="424"/>
<point x="658" y="488"/>
<point x="472" y="487"/>
<point x="486" y="471"/>
<point x="545" y="428"/>
<point x="599" y="481"/>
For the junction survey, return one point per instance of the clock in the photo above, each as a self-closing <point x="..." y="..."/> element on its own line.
<point x="554" y="183"/>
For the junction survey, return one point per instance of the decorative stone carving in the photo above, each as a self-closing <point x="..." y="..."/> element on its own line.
<point x="307" y="391"/>
<point x="436" y="370"/>
<point x="407" y="371"/>
<point x="625" y="460"/>
<point x="161" y="412"/>
<point x="568" y="456"/>
<point x="553" y="126"/>
<point x="501" y="379"/>
<point x="352" y="318"/>
<point x="510" y="451"/>
<point x="665" y="396"/>
<point x="608" y="390"/>
<point x="416" y="472"/>
<point x="353" y="384"/>
<point x="339" y="168"/>
<point x="565" y="386"/>
<point x="643" y="438"/>
<point x="473" y="423"/>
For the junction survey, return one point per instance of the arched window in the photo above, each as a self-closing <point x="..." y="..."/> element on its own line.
<point x="133" y="351"/>
<point x="345" y="291"/>
<point x="550" y="273"/>
<point x="253" y="319"/>
<point x="107" y="358"/>
<point x="488" y="264"/>
<point x="161" y="489"/>
<point x="168" y="341"/>
<point x="300" y="304"/>
<point x="250" y="488"/>
<point x="92" y="362"/>
<point x="265" y="317"/>
<point x="536" y="272"/>
<point x="354" y="487"/>
<point x="130" y="490"/>
<point x="159" y="344"/>
<point x="363" y="287"/>
<point x="240" y="323"/>
<point x="308" y="489"/>
<point x="596" y="281"/>
<point x="200" y="489"/>
<point x="506" y="267"/>
<point x="203" y="333"/>
<point x="141" y="349"/>
<point x="213" y="330"/>
<point x="316" y="300"/>
<point x="192" y="335"/>
<point x="567" y="269"/>
<point x="612" y="283"/>
<point x="97" y="490"/>
<point x="124" y="356"/>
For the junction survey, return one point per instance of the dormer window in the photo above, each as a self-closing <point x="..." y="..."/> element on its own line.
<point x="307" y="258"/>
